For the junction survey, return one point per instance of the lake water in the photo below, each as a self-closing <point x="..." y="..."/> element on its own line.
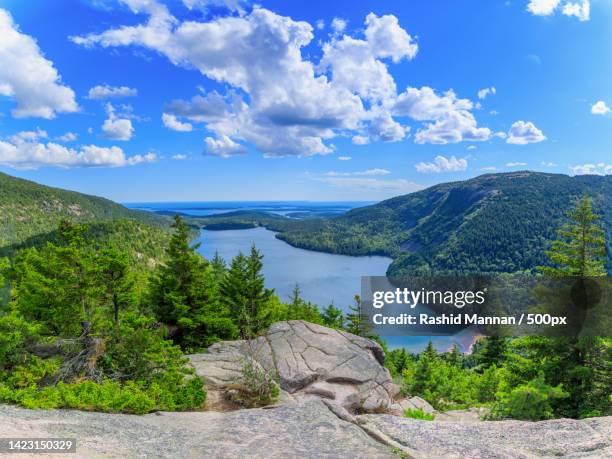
<point x="323" y="278"/>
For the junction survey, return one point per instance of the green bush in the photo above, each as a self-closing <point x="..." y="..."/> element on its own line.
<point x="418" y="413"/>
<point x="256" y="386"/>
<point x="531" y="401"/>
<point x="108" y="396"/>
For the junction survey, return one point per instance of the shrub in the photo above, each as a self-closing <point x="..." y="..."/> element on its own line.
<point x="531" y="401"/>
<point x="418" y="413"/>
<point x="256" y="387"/>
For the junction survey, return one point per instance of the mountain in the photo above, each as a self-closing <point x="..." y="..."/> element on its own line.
<point x="30" y="213"/>
<point x="491" y="223"/>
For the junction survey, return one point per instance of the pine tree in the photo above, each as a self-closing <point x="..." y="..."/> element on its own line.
<point x="243" y="291"/>
<point x="493" y="351"/>
<point x="357" y="320"/>
<point x="182" y="294"/>
<point x="580" y="249"/>
<point x="333" y="317"/>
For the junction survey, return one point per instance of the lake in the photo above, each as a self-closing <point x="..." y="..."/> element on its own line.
<point x="323" y="278"/>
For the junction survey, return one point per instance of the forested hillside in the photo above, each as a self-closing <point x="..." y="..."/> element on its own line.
<point x="492" y="223"/>
<point x="30" y="213"/>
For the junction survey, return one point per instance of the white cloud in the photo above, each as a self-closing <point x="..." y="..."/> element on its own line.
<point x="522" y="133"/>
<point x="338" y="24"/>
<point x="67" y="137"/>
<point x="344" y="158"/>
<point x="548" y="164"/>
<point x="320" y="24"/>
<point x="306" y="104"/>
<point x="600" y="108"/>
<point x="116" y="127"/>
<point x="472" y="147"/>
<point x="515" y="164"/>
<point x="442" y="164"/>
<point x="171" y="122"/>
<point x="108" y="92"/>
<point x="591" y="169"/>
<point x="360" y="140"/>
<point x="25" y="151"/>
<point x="368" y="172"/>
<point x="223" y="146"/>
<point x="542" y="7"/>
<point x="483" y="93"/>
<point x="28" y="78"/>
<point x="452" y="119"/>
<point x="580" y="10"/>
<point x="179" y="157"/>
<point x="488" y="169"/>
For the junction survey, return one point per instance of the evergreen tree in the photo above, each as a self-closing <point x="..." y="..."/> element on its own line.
<point x="182" y="294"/>
<point x="357" y="320"/>
<point x="333" y="317"/>
<point x="580" y="249"/>
<point x="119" y="284"/>
<point x="493" y="351"/>
<point x="454" y="356"/>
<point x="244" y="292"/>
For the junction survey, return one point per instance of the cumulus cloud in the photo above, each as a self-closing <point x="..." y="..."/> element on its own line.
<point x="67" y="137"/>
<point x="522" y="133"/>
<point x="516" y="164"/>
<point x="452" y="119"/>
<point x="25" y="151"/>
<point x="223" y="146"/>
<point x="578" y="9"/>
<point x="101" y="92"/>
<point x="591" y="169"/>
<point x="338" y="25"/>
<point x="542" y="7"/>
<point x="442" y="164"/>
<point x="171" y="122"/>
<point x="582" y="11"/>
<point x="349" y="92"/>
<point x="28" y="78"/>
<point x="116" y="127"/>
<point x="305" y="105"/>
<point x="600" y="108"/>
<point x="483" y="93"/>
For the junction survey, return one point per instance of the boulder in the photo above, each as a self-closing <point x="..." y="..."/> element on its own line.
<point x="311" y="361"/>
<point x="412" y="403"/>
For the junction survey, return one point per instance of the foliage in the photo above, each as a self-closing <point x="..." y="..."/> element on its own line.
<point x="183" y="295"/>
<point x="419" y="414"/>
<point x="256" y="386"/>
<point x="532" y="401"/>
<point x="30" y="214"/>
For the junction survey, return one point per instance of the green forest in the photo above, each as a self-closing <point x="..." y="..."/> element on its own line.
<point x="93" y="319"/>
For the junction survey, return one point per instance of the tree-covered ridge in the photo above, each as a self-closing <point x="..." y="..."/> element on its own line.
<point x="29" y="210"/>
<point x="492" y="223"/>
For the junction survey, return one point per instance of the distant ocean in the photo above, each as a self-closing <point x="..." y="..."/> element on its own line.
<point x="292" y="209"/>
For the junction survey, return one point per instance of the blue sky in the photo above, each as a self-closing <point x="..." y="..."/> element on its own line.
<point x="162" y="100"/>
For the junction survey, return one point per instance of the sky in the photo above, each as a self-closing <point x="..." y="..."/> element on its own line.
<point x="194" y="100"/>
